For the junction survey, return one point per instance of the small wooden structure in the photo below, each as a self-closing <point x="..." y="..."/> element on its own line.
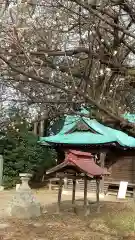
<point x="78" y="165"/>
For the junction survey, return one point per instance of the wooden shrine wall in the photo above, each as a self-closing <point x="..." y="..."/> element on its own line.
<point x="122" y="169"/>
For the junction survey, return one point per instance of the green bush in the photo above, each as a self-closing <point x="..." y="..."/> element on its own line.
<point x="22" y="153"/>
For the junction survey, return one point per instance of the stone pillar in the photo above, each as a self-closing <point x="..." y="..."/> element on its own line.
<point x="24" y="204"/>
<point x="1" y="169"/>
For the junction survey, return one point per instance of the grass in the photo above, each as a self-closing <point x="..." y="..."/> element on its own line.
<point x="116" y="221"/>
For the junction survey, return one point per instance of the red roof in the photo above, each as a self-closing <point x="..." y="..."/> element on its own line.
<point x="79" y="153"/>
<point x="83" y="161"/>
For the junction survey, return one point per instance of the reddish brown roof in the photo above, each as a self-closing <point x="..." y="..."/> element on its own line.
<point x="83" y="161"/>
<point x="79" y="153"/>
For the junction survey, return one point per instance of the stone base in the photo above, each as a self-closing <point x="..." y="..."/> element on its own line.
<point x="24" y="205"/>
<point x="27" y="212"/>
<point x="17" y="187"/>
<point x="1" y="188"/>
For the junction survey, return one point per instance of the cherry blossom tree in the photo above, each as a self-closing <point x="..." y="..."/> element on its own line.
<point x="61" y="53"/>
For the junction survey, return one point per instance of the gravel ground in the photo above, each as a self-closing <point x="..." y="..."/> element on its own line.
<point x="114" y="222"/>
<point x="45" y="198"/>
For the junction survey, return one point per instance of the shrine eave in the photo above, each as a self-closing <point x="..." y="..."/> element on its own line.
<point x="96" y="135"/>
<point x="103" y="146"/>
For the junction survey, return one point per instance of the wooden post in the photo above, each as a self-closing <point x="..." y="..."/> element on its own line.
<point x="50" y="185"/>
<point x="97" y="193"/>
<point x="133" y="176"/>
<point x="86" y="211"/>
<point x="134" y="193"/>
<point x="73" y="194"/>
<point x="59" y="195"/>
<point x="102" y="164"/>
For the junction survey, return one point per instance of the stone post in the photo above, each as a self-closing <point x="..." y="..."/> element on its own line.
<point x="24" y="204"/>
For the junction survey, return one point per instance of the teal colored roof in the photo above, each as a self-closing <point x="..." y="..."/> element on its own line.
<point x="71" y="121"/>
<point x="78" y="138"/>
<point x="102" y="135"/>
<point x="130" y="117"/>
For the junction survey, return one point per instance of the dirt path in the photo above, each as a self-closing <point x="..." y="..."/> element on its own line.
<point x="109" y="224"/>
<point x="43" y="196"/>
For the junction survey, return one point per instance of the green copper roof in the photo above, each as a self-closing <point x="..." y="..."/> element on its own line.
<point x="71" y="121"/>
<point x="130" y="117"/>
<point x="79" y="138"/>
<point x="102" y="133"/>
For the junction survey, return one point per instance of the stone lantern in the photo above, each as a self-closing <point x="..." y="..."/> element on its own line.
<point x="24" y="204"/>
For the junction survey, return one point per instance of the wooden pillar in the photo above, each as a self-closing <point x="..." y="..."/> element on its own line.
<point x="73" y="191"/>
<point x="50" y="185"/>
<point x="59" y="195"/>
<point x="86" y="211"/>
<point x="134" y="193"/>
<point x="97" y="193"/>
<point x="133" y="176"/>
<point x="73" y="194"/>
<point x="102" y="164"/>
